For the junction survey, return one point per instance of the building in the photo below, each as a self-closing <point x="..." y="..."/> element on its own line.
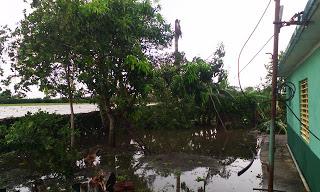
<point x="300" y="66"/>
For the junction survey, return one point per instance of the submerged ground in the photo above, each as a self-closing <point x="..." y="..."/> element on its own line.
<point x="194" y="159"/>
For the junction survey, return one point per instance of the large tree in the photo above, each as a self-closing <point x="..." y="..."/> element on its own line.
<point x="117" y="37"/>
<point x="43" y="49"/>
<point x="104" y="44"/>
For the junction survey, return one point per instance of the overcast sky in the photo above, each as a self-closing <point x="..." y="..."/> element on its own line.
<point x="205" y="23"/>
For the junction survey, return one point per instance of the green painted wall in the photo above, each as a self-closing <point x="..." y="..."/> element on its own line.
<point x="306" y="154"/>
<point x="309" y="162"/>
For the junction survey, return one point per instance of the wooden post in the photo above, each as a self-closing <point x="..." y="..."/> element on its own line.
<point x="178" y="187"/>
<point x="277" y="25"/>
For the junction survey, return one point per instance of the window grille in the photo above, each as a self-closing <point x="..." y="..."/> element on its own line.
<point x="304" y="111"/>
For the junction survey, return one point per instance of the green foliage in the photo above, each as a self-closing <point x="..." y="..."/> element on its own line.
<point x="103" y="45"/>
<point x="121" y="178"/>
<point x="255" y="105"/>
<point x="140" y="66"/>
<point x="194" y="79"/>
<point x="43" y="139"/>
<point x="2" y="37"/>
<point x="95" y="7"/>
<point x="6" y="94"/>
<point x="164" y="115"/>
<point x="3" y="133"/>
<point x="41" y="52"/>
<point x="200" y="179"/>
<point x="4" y="34"/>
<point x="114" y="43"/>
<point x="183" y="95"/>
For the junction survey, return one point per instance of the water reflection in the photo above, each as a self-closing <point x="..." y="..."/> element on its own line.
<point x="204" y="161"/>
<point x="216" y="178"/>
<point x="194" y="160"/>
<point x="206" y="142"/>
<point x="81" y="163"/>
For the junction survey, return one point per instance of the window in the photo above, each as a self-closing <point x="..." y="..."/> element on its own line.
<point x="304" y="111"/>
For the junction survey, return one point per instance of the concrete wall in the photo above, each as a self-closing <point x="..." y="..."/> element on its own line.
<point x="306" y="154"/>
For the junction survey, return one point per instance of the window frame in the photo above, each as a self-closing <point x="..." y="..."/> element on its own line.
<point x="304" y="110"/>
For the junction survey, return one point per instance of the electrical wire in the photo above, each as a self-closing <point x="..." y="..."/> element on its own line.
<point x="254" y="29"/>
<point x="301" y="122"/>
<point x="291" y="89"/>
<point x="266" y="43"/>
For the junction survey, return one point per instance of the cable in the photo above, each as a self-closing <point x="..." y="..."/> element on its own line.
<point x="291" y="91"/>
<point x="256" y="54"/>
<point x="264" y="12"/>
<point x="301" y="122"/>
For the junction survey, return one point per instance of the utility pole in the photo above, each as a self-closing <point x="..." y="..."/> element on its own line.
<point x="178" y="183"/>
<point x="277" y="26"/>
<point x="177" y="35"/>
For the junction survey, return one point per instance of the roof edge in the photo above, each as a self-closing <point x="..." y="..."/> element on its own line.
<point x="308" y="12"/>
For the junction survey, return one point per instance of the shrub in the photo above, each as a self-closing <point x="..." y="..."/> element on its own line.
<point x="3" y="133"/>
<point x="43" y="139"/>
<point x="165" y="115"/>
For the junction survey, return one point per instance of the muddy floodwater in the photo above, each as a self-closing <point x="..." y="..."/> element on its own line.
<point x="192" y="160"/>
<point x="200" y="160"/>
<point x="18" y="111"/>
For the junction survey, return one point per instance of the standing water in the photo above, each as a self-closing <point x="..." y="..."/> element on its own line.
<point x="180" y="160"/>
<point x="7" y="111"/>
<point x="200" y="161"/>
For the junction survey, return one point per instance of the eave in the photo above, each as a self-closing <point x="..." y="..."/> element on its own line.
<point x="304" y="41"/>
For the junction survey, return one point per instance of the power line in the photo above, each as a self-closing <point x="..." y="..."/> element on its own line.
<point x="257" y="53"/>
<point x="254" y="29"/>
<point x="301" y="122"/>
<point x="291" y="88"/>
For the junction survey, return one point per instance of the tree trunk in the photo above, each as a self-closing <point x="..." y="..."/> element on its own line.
<point x="107" y="116"/>
<point x="178" y="185"/>
<point x="103" y="115"/>
<point x="111" y="139"/>
<point x="70" y="96"/>
<point x="72" y="122"/>
<point x="218" y="117"/>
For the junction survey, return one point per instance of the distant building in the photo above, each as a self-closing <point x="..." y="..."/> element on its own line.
<point x="300" y="66"/>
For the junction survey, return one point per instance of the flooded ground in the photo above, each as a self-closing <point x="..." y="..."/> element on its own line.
<point x="194" y="160"/>
<point x="18" y="111"/>
<point x="208" y="176"/>
<point x="201" y="160"/>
